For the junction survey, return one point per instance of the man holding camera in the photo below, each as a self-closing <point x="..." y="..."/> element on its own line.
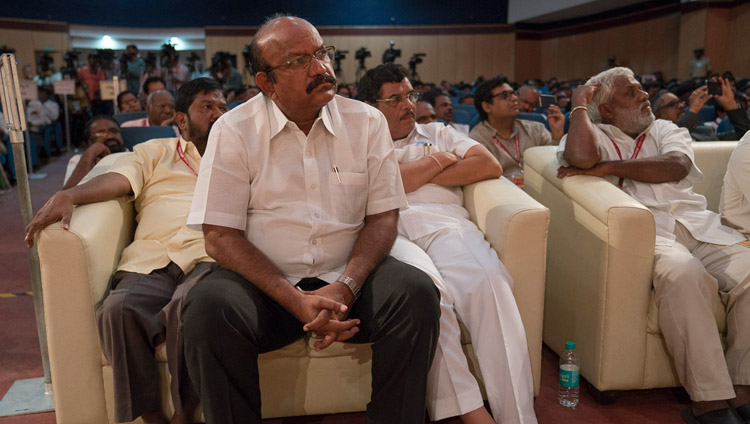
<point x="667" y="105"/>
<point x="506" y="136"/>
<point x="134" y="67"/>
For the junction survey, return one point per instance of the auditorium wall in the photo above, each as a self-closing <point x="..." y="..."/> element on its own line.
<point x="456" y="53"/>
<point x="54" y="39"/>
<point x="451" y="57"/>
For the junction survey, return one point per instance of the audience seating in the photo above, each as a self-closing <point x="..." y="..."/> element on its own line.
<point x="128" y="116"/>
<point x="725" y="125"/>
<point x="599" y="271"/>
<point x="134" y="135"/>
<point x="295" y="380"/>
<point x="538" y="117"/>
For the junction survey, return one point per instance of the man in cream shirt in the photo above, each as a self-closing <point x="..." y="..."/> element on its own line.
<point x="164" y="258"/>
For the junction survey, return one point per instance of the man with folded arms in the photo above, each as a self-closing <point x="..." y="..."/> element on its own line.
<point x="613" y="133"/>
<point x="298" y="199"/>
<point x="435" y="161"/>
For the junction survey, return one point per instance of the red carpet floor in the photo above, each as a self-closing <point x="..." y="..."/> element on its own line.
<point x="20" y="357"/>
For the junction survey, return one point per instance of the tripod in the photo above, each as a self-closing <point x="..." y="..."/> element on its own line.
<point x="361" y="69"/>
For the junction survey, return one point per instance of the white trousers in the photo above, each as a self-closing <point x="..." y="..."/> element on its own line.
<point x="686" y="275"/>
<point x="476" y="289"/>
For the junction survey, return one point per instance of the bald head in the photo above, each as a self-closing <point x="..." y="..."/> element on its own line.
<point x="159" y="107"/>
<point x="276" y="33"/>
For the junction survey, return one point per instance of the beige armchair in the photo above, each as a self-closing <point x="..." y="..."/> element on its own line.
<point x="599" y="271"/>
<point x="296" y="380"/>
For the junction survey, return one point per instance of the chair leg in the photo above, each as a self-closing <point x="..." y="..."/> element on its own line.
<point x="606" y="397"/>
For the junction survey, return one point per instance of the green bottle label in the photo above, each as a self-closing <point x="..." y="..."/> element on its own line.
<point x="569" y="375"/>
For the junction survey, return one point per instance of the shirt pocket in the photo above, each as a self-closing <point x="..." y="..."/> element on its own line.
<point x="348" y="196"/>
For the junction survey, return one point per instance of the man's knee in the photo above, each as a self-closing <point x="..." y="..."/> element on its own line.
<point x="206" y="307"/>
<point x="684" y="280"/>
<point x="414" y="289"/>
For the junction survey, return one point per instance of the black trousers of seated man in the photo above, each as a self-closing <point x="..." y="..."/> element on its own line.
<point x="228" y="322"/>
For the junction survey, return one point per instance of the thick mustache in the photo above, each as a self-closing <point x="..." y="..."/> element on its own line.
<point x="409" y="113"/>
<point x="320" y="79"/>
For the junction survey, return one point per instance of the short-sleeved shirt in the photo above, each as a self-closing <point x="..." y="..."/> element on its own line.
<point x="300" y="199"/>
<point x="670" y="202"/>
<point x="163" y="188"/>
<point x="530" y="134"/>
<point x="734" y="205"/>
<point x="92" y="80"/>
<point x="432" y="206"/>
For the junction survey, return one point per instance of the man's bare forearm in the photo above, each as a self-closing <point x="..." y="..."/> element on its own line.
<point x="477" y="165"/>
<point x="669" y="167"/>
<point x="372" y="245"/>
<point x="581" y="148"/>
<point x="417" y="173"/>
<point x="108" y="186"/>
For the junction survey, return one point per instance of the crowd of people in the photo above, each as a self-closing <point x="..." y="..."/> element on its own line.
<point x="283" y="212"/>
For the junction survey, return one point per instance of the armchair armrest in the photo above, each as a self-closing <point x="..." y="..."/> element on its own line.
<point x="599" y="271"/>
<point x="76" y="266"/>
<point x="516" y="227"/>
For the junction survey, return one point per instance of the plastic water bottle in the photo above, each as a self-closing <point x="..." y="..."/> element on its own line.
<point x="567" y="392"/>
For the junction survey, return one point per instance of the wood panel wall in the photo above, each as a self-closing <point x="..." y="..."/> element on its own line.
<point x="28" y="42"/>
<point x="661" y="44"/>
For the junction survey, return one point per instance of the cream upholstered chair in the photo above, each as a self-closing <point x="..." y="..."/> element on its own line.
<point x="296" y="380"/>
<point x="599" y="271"/>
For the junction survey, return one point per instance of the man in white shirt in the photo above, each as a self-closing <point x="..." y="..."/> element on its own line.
<point x="159" y="112"/>
<point x="435" y="161"/>
<point x="734" y="205"/>
<point x="299" y="204"/>
<point x="613" y="133"/>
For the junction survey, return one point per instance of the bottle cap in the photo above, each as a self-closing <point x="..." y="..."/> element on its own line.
<point x="570" y="345"/>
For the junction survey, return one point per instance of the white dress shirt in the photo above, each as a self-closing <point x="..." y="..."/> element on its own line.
<point x="734" y="205"/>
<point x="262" y="175"/>
<point x="670" y="201"/>
<point x="432" y="206"/>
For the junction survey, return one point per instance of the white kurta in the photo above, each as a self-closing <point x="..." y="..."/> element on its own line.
<point x="475" y="288"/>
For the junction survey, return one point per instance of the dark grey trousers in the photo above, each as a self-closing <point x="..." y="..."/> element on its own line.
<point x="227" y="322"/>
<point x="130" y="328"/>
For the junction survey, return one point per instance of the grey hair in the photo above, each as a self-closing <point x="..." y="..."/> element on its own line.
<point x="527" y="87"/>
<point x="150" y="99"/>
<point x="607" y="81"/>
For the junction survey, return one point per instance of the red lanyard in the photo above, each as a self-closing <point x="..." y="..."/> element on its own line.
<point x="181" y="154"/>
<point x="518" y="158"/>
<point x="638" y="145"/>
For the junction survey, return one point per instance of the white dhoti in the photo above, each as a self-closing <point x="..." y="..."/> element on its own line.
<point x="476" y="289"/>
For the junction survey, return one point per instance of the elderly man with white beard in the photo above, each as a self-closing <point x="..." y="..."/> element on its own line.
<point x="613" y="132"/>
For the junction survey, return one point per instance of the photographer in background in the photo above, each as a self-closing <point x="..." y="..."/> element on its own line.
<point x="667" y="105"/>
<point x="90" y="76"/>
<point x="132" y="68"/>
<point x="174" y="73"/>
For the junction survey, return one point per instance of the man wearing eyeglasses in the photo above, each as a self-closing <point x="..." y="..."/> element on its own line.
<point x="298" y="199"/>
<point x="435" y="161"/>
<point x="666" y="105"/>
<point x="102" y="134"/>
<point x="506" y="136"/>
<point x="165" y="258"/>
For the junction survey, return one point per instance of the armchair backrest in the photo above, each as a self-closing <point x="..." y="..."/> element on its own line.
<point x="712" y="158"/>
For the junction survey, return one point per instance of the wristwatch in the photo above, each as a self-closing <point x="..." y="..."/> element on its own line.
<point x="353" y="286"/>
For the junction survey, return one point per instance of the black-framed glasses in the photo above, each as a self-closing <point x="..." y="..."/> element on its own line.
<point x="396" y="99"/>
<point x="324" y="55"/>
<point x="505" y="95"/>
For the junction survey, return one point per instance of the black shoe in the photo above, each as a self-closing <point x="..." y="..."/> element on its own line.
<point x="720" y="416"/>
